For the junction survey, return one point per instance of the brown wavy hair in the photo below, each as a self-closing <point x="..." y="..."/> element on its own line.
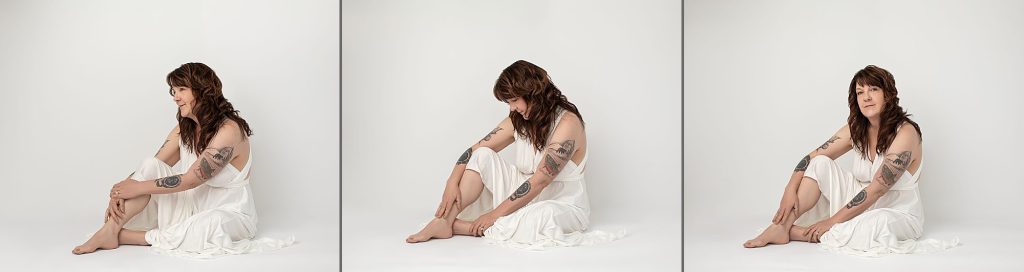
<point x="891" y="116"/>
<point x="531" y="83"/>
<point x="211" y="108"/>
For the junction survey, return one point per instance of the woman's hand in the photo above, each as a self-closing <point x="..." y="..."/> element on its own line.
<point x="818" y="229"/>
<point x="481" y="224"/>
<point x="126" y="189"/>
<point x="451" y="197"/>
<point x="115" y="210"/>
<point x="789" y="203"/>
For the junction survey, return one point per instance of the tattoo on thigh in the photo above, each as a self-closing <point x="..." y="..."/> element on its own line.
<point x="521" y="192"/>
<point x="857" y="200"/>
<point x="802" y="165"/>
<point x="464" y="159"/>
<point x="829" y="142"/>
<point x="169" y="182"/>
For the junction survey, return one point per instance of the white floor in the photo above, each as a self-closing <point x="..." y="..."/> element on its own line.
<point x="45" y="245"/>
<point x="376" y="243"/>
<point x="982" y="248"/>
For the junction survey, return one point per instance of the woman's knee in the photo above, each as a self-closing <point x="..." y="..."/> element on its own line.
<point x="150" y="168"/>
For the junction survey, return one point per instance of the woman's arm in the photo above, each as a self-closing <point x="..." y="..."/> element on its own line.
<point x="215" y="157"/>
<point x="898" y="158"/>
<point x="560" y="148"/>
<point x="499" y="138"/>
<point x="169" y="152"/>
<point x="835" y="146"/>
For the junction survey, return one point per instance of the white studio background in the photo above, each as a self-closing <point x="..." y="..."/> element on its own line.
<point x="85" y="101"/>
<point x="417" y="79"/>
<point x="766" y="82"/>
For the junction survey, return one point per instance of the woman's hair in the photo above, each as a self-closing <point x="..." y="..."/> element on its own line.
<point x="531" y="83"/>
<point x="891" y="116"/>
<point x="211" y="108"/>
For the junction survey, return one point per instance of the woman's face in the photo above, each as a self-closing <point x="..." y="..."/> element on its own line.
<point x="184" y="99"/>
<point x="517" y="104"/>
<point x="871" y="100"/>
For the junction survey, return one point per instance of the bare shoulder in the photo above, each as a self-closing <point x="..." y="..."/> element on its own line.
<point x="908" y="134"/>
<point x="230" y="129"/>
<point x="571" y="124"/>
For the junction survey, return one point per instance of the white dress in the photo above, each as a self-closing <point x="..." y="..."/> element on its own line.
<point x="217" y="218"/>
<point x="558" y="216"/>
<point x="891" y="225"/>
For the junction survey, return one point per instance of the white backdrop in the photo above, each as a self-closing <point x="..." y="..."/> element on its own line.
<point x="84" y="100"/>
<point x="766" y="82"/>
<point x="417" y="80"/>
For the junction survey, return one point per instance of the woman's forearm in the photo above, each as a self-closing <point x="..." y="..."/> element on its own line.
<point x="170" y="184"/>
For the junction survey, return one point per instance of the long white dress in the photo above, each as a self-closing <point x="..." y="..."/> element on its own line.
<point x="558" y="216"/>
<point x="214" y="219"/>
<point x="891" y="225"/>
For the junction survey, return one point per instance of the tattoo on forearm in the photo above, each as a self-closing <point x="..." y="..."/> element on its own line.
<point x="557" y="156"/>
<point x="169" y="182"/>
<point x="521" y="192"/>
<point x="802" y="165"/>
<point x="488" y="136"/>
<point x="857" y="200"/>
<point x="829" y="142"/>
<point x="464" y="159"/>
<point x="894" y="167"/>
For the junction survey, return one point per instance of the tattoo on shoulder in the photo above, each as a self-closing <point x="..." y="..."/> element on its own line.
<point x="857" y="200"/>
<point x="488" y="136"/>
<point x="802" y="165"/>
<point x="829" y="142"/>
<point x="521" y="192"/>
<point x="169" y="182"/>
<point x="464" y="159"/>
<point x="894" y="167"/>
<point x="557" y="156"/>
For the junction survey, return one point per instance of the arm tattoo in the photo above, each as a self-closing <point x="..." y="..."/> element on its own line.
<point x="213" y="160"/>
<point x="556" y="156"/>
<point x="464" y="159"/>
<point x="857" y="200"/>
<point x="829" y="142"/>
<point x="169" y="182"/>
<point x="802" y="166"/>
<point x="488" y="136"/>
<point x="894" y="167"/>
<point x="521" y="192"/>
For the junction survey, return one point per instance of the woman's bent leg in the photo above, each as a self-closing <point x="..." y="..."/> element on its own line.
<point x="471" y="186"/>
<point x="807" y="196"/>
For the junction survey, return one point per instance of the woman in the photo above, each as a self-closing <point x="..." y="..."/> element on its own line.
<point x="539" y="200"/>
<point x="874" y="209"/>
<point x="193" y="197"/>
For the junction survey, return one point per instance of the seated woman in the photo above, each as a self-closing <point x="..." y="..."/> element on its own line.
<point x="874" y="209"/>
<point x="540" y="200"/>
<point x="193" y="198"/>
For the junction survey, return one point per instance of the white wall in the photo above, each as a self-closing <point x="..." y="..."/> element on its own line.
<point x="417" y="79"/>
<point x="84" y="99"/>
<point x="766" y="82"/>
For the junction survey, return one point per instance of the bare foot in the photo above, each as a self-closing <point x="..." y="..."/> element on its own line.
<point x="437" y="228"/>
<point x="774" y="234"/>
<point x="105" y="238"/>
